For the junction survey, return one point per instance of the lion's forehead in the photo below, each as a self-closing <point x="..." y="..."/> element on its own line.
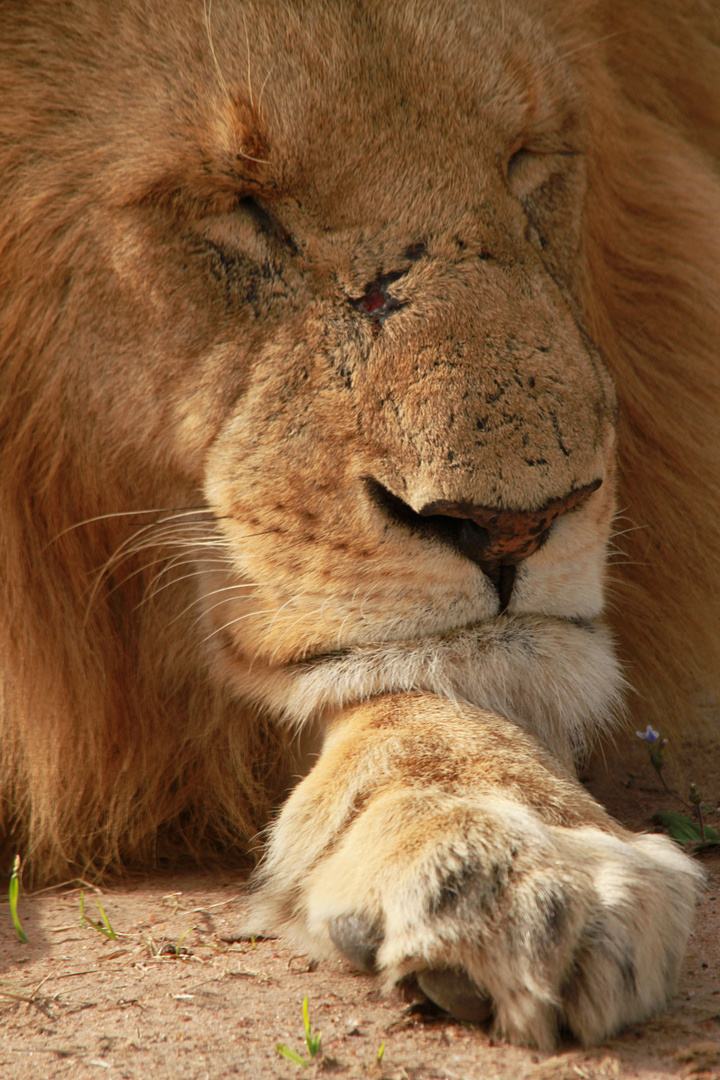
<point x="349" y="110"/>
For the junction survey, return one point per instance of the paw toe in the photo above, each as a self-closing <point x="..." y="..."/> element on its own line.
<point x="457" y="994"/>
<point x="358" y="939"/>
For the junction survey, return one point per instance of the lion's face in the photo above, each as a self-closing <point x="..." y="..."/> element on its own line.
<point x="358" y="301"/>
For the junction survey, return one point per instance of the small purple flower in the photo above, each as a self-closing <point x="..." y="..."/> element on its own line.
<point x="656" y="746"/>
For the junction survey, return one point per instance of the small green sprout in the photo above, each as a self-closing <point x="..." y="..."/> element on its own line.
<point x="291" y="1055"/>
<point x="313" y="1042"/>
<point x="85" y="920"/>
<point x="13" y="896"/>
<point x="180" y="941"/>
<point x="380" y="1052"/>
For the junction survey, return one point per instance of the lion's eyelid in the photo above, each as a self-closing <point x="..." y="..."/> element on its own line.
<point x="265" y="220"/>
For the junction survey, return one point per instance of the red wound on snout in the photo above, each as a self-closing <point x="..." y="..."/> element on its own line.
<point x="373" y="299"/>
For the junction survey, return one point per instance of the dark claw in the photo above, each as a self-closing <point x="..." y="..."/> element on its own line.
<point x="457" y="994"/>
<point x="358" y="939"/>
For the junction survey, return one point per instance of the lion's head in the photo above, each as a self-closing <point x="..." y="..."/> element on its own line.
<point x="307" y="316"/>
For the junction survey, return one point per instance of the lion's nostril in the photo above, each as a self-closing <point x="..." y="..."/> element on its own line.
<point x="472" y="539"/>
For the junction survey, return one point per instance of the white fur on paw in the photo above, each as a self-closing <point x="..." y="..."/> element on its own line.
<point x="557" y="926"/>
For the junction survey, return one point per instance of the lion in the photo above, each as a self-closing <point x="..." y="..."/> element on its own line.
<point x="334" y="339"/>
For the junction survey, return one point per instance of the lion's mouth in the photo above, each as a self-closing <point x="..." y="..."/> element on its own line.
<point x="485" y="632"/>
<point x="298" y="592"/>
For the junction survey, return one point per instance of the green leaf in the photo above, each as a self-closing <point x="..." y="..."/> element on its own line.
<point x="108" y="930"/>
<point x="313" y="1044"/>
<point x="13" y="895"/>
<point x="684" y="829"/>
<point x="85" y="920"/>
<point x="180" y="941"/>
<point x="291" y="1055"/>
<point x="313" y="1041"/>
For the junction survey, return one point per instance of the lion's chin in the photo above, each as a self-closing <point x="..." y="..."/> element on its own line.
<point x="557" y="678"/>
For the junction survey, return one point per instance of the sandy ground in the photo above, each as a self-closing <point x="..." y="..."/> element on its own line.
<point x="75" y="1004"/>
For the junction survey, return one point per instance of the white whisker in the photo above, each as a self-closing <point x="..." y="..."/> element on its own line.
<point x="249" y="75"/>
<point x="366" y="598"/>
<point x="591" y="44"/>
<point x="211" y="607"/>
<point x="292" y="625"/>
<point x="207" y="11"/>
<point x="342" y="627"/>
<point x="178" y="512"/>
<point x="262" y="88"/>
<point x="232" y="623"/>
<point x="186" y="577"/>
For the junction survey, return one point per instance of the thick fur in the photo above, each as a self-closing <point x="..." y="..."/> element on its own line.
<point x="275" y="277"/>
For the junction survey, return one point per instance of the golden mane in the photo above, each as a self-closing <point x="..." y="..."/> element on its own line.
<point x="651" y="300"/>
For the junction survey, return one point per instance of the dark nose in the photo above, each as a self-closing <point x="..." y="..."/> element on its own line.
<point x="493" y="538"/>
<point x="497" y="540"/>
<point x="509" y="535"/>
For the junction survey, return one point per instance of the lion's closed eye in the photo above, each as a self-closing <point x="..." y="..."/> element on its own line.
<point x="254" y="208"/>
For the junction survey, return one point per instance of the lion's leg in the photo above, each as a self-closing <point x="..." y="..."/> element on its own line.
<point x="436" y="840"/>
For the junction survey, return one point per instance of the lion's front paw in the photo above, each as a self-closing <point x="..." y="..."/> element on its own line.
<point x="492" y="910"/>
<point x="439" y="844"/>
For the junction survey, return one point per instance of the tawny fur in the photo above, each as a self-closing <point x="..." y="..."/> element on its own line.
<point x="199" y="403"/>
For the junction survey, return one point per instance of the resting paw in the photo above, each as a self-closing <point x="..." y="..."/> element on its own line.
<point x="444" y="848"/>
<point x="539" y="927"/>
